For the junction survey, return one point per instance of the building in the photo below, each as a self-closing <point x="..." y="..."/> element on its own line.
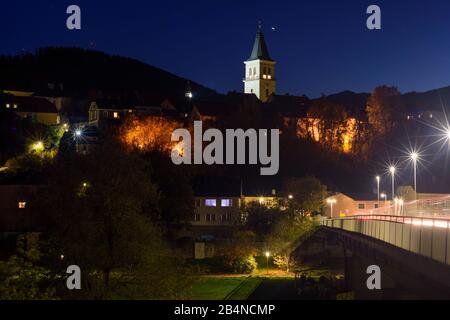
<point x="37" y="109"/>
<point x="223" y="108"/>
<point x="407" y="202"/>
<point x="342" y="205"/>
<point x="217" y="210"/>
<point x="260" y="70"/>
<point x="87" y="140"/>
<point x="113" y="111"/>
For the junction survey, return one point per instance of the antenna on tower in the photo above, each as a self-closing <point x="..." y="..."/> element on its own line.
<point x="259" y="26"/>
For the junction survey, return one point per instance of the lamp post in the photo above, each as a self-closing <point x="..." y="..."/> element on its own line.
<point x="414" y="157"/>
<point x="267" y="262"/>
<point x="378" y="190"/>
<point x="331" y="202"/>
<point x="392" y="170"/>
<point x="383" y="196"/>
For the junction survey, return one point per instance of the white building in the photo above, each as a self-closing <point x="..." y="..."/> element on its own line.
<point x="260" y="70"/>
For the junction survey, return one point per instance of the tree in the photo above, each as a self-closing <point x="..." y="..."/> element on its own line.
<point x="260" y="219"/>
<point x="239" y="253"/>
<point x="98" y="211"/>
<point x="383" y="108"/>
<point x="22" y="277"/>
<point x="176" y="197"/>
<point x="307" y="195"/>
<point x="287" y="235"/>
<point x="326" y="123"/>
<point x="148" y="134"/>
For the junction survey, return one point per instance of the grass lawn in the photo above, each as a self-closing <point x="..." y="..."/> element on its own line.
<point x="246" y="289"/>
<point x="220" y="287"/>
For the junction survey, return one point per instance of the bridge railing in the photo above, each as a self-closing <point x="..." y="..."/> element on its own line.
<point x="427" y="236"/>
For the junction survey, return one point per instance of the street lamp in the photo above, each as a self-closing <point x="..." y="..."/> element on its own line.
<point x="331" y="202"/>
<point x="378" y="190"/>
<point x="392" y="171"/>
<point x="38" y="146"/>
<point x="290" y="196"/>
<point x="383" y="196"/>
<point x="267" y="262"/>
<point x="414" y="157"/>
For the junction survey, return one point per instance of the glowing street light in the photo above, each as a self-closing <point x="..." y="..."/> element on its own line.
<point x="378" y="189"/>
<point x="392" y="171"/>
<point x="331" y="202"/>
<point x="414" y="157"/>
<point x="267" y="261"/>
<point x="290" y="196"/>
<point x="37" y="146"/>
<point x="383" y="196"/>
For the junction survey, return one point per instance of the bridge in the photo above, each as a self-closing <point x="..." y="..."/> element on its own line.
<point x="413" y="252"/>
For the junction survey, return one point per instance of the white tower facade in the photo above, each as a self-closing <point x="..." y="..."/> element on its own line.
<point x="260" y="70"/>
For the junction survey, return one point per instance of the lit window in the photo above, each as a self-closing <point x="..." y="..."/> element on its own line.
<point x="269" y="77"/>
<point x="15" y="106"/>
<point x="264" y="76"/>
<point x="226" y="203"/>
<point x="22" y="205"/>
<point x="7" y="106"/>
<point x="116" y="115"/>
<point x="210" y="203"/>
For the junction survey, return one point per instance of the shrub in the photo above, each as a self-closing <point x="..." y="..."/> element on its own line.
<point x="244" y="264"/>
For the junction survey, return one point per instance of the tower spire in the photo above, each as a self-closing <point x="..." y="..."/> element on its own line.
<point x="260" y="50"/>
<point x="260" y="69"/>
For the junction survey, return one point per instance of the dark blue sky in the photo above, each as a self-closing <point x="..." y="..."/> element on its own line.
<point x="322" y="46"/>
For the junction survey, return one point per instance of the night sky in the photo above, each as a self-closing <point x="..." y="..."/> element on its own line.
<point x="322" y="46"/>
